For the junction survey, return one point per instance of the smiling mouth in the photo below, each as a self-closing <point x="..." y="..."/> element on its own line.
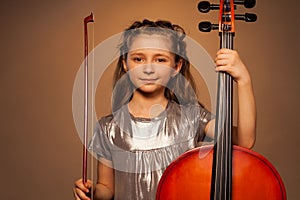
<point x="148" y="79"/>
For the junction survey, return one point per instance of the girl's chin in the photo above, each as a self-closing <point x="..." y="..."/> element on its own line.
<point x="150" y="88"/>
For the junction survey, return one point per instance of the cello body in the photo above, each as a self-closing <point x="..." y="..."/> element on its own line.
<point x="222" y="171"/>
<point x="189" y="176"/>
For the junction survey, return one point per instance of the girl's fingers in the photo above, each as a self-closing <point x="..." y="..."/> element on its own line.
<point x="75" y="194"/>
<point x="225" y="51"/>
<point x="222" y="69"/>
<point x="80" y="195"/>
<point x="226" y="54"/>
<point x="223" y="62"/>
<point x="79" y="184"/>
<point x="84" y="187"/>
<point x="229" y="61"/>
<point x="80" y="189"/>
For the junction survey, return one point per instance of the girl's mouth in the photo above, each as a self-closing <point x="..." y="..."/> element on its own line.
<point x="149" y="79"/>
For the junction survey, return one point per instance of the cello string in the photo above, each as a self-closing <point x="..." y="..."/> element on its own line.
<point x="230" y="124"/>
<point x="228" y="132"/>
<point x="227" y="129"/>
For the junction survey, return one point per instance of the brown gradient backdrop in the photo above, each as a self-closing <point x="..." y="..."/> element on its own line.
<point x="42" y="49"/>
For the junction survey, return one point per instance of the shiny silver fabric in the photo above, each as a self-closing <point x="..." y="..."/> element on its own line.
<point x="140" y="149"/>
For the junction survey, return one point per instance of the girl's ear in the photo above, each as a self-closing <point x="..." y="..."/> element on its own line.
<point x="177" y="68"/>
<point x="124" y="65"/>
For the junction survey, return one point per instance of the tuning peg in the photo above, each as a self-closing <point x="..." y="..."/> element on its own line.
<point x="205" y="6"/>
<point x="246" y="3"/>
<point x="207" y="26"/>
<point x="248" y="17"/>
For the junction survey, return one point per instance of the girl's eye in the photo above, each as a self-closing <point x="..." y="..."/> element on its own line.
<point x="160" y="60"/>
<point x="137" y="59"/>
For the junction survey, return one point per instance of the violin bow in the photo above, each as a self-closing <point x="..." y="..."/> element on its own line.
<point x="85" y="131"/>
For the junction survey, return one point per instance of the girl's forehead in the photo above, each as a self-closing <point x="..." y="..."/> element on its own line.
<point x="153" y="41"/>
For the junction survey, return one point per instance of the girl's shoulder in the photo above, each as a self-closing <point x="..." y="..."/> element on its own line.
<point x="192" y="111"/>
<point x="117" y="118"/>
<point x="187" y="107"/>
<point x="104" y="121"/>
<point x="106" y="118"/>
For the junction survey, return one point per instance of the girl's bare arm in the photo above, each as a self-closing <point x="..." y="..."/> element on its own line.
<point x="245" y="133"/>
<point x="104" y="189"/>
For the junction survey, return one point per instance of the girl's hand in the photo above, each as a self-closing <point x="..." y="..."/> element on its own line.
<point x="81" y="190"/>
<point x="229" y="61"/>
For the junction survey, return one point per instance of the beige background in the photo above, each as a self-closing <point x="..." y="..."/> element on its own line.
<point x="42" y="49"/>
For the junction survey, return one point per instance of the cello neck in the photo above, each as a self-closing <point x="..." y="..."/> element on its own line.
<point x="222" y="158"/>
<point x="222" y="165"/>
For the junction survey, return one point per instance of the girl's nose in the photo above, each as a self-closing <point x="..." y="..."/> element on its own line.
<point x="148" y="68"/>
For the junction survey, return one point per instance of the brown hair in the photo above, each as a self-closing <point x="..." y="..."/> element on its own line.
<point x="180" y="89"/>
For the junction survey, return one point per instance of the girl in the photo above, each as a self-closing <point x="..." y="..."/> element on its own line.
<point x="156" y="116"/>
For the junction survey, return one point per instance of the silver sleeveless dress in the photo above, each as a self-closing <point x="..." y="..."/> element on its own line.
<point x="140" y="149"/>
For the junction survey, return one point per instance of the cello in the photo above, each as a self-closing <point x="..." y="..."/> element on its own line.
<point x="222" y="171"/>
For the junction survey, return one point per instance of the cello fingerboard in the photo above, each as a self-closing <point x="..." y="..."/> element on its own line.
<point x="222" y="158"/>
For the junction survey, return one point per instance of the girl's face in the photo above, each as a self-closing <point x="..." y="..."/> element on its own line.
<point x="150" y="63"/>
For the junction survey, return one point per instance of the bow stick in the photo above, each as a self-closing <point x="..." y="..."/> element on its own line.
<point x="85" y="132"/>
